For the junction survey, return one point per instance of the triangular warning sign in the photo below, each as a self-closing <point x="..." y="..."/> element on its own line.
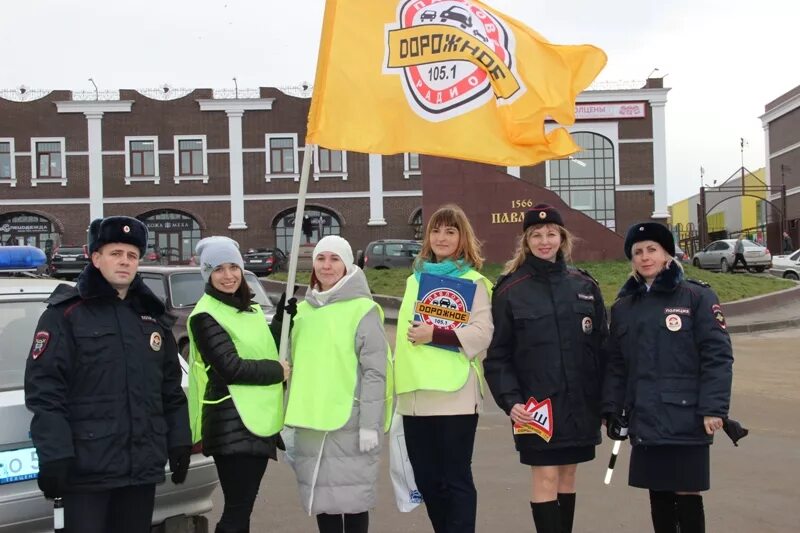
<point x="542" y="424"/>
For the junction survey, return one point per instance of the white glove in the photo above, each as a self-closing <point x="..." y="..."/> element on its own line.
<point x="367" y="439"/>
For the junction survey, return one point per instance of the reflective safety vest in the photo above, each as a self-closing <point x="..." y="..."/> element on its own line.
<point x="426" y="367"/>
<point x="325" y="365"/>
<point x="259" y="406"/>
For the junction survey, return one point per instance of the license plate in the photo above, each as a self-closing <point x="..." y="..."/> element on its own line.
<point x="258" y="261"/>
<point x="18" y="465"/>
<point x="68" y="258"/>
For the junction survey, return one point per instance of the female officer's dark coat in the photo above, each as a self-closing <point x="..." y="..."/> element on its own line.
<point x="549" y="324"/>
<point x="669" y="360"/>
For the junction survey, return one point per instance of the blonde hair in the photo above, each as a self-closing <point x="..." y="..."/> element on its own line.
<point x="469" y="247"/>
<point x="635" y="273"/>
<point x="522" y="249"/>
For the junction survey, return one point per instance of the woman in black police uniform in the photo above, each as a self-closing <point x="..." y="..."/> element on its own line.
<point x="668" y="377"/>
<point x="549" y="324"/>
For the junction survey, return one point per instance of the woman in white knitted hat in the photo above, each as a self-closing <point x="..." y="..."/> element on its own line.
<point x="232" y="348"/>
<point x="337" y="396"/>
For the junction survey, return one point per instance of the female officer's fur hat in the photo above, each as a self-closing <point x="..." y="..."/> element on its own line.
<point x="649" y="231"/>
<point x="542" y="214"/>
<point x="117" y="229"/>
<point x="214" y="251"/>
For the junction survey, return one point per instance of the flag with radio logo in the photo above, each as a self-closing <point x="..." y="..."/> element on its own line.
<point x="451" y="78"/>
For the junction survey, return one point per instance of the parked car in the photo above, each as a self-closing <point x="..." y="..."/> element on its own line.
<point x="181" y="287"/>
<point x="390" y="253"/>
<point x="680" y="255"/>
<point x="786" y="266"/>
<point x="264" y="261"/>
<point x="68" y="261"/>
<point x="719" y="255"/>
<point x="23" y="508"/>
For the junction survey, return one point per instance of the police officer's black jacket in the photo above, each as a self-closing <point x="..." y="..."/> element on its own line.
<point x="105" y="390"/>
<point x="549" y="325"/>
<point x="669" y="359"/>
<point x="223" y="431"/>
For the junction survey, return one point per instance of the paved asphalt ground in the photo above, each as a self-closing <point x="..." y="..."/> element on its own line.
<point x="755" y="487"/>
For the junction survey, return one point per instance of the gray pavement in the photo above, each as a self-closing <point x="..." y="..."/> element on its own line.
<point x="754" y="486"/>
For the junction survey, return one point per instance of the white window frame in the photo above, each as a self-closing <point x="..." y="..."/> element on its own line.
<point x="129" y="178"/>
<point x="318" y="174"/>
<point x="35" y="180"/>
<point x="407" y="171"/>
<point x="269" y="176"/>
<point x="176" y="139"/>
<point x="12" y="179"/>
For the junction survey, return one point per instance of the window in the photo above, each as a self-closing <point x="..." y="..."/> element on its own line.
<point x="141" y="159"/>
<point x="7" y="165"/>
<point x="585" y="181"/>
<point x="281" y="156"/>
<point x="191" y="158"/>
<point x="323" y="222"/>
<point x="172" y="236"/>
<point x="411" y="165"/>
<point x="330" y="163"/>
<point x="49" y="157"/>
<point x="49" y="161"/>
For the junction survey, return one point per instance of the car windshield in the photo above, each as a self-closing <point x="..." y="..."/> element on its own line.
<point x="16" y="332"/>
<point x="187" y="288"/>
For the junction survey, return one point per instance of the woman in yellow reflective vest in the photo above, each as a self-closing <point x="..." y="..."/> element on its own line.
<point x="337" y="395"/>
<point x="440" y="390"/>
<point x="236" y="391"/>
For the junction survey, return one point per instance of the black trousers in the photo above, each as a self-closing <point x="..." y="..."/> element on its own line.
<point x="240" y="477"/>
<point x="736" y="259"/>
<point x="440" y="451"/>
<point x="122" y="510"/>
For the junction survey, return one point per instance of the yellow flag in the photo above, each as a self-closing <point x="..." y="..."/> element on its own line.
<point x="451" y="78"/>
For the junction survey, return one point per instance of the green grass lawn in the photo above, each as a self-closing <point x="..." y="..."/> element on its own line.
<point x="610" y="275"/>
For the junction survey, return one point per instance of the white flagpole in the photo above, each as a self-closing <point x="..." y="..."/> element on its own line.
<point x="298" y="221"/>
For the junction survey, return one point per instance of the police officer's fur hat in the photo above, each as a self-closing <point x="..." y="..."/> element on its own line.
<point x="542" y="214"/>
<point x="117" y="229"/>
<point x="649" y="231"/>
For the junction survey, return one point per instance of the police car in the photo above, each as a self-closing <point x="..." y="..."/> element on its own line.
<point x="23" y="508"/>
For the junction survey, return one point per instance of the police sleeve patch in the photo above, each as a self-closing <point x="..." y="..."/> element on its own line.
<point x="40" y="341"/>
<point x="716" y="310"/>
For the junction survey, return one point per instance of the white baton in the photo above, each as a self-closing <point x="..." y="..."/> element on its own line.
<point x="612" y="461"/>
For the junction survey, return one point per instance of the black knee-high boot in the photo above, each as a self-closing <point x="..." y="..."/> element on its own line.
<point x="566" y="505"/>
<point x="662" y="510"/>
<point x="546" y="517"/>
<point x="691" y="517"/>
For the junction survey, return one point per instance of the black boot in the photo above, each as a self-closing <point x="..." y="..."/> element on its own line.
<point x="691" y="517"/>
<point x="566" y="506"/>
<point x="546" y="517"/>
<point x="662" y="510"/>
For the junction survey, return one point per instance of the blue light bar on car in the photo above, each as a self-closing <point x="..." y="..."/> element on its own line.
<point x="21" y="258"/>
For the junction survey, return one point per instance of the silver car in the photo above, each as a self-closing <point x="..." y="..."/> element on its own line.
<point x="23" y="508"/>
<point x="719" y="255"/>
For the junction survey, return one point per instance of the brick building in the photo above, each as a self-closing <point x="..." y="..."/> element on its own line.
<point x="191" y="165"/>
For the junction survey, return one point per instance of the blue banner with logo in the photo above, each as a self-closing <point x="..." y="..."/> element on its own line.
<point x="444" y="302"/>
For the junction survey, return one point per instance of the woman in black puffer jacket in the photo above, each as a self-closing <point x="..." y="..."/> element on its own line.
<point x="231" y="339"/>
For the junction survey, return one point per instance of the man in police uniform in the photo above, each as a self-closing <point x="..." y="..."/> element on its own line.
<point x="104" y="385"/>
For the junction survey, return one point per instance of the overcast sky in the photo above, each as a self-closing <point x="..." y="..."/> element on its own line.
<point x="723" y="59"/>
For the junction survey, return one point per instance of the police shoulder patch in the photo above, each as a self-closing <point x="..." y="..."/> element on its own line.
<point x="716" y="310"/>
<point x="40" y="341"/>
<point x="698" y="282"/>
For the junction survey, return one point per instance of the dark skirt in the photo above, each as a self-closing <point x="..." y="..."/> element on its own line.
<point x="557" y="457"/>
<point x="670" y="468"/>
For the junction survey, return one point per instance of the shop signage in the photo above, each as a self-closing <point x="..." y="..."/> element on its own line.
<point x="169" y="225"/>
<point x="624" y="110"/>
<point x="25" y="227"/>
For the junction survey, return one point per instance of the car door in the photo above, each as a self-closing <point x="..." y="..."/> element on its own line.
<point x="394" y="254"/>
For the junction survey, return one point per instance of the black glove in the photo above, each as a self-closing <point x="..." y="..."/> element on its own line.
<point x="734" y="430"/>
<point x="52" y="478"/>
<point x="290" y="307"/>
<point x="616" y="426"/>
<point x="179" y="458"/>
